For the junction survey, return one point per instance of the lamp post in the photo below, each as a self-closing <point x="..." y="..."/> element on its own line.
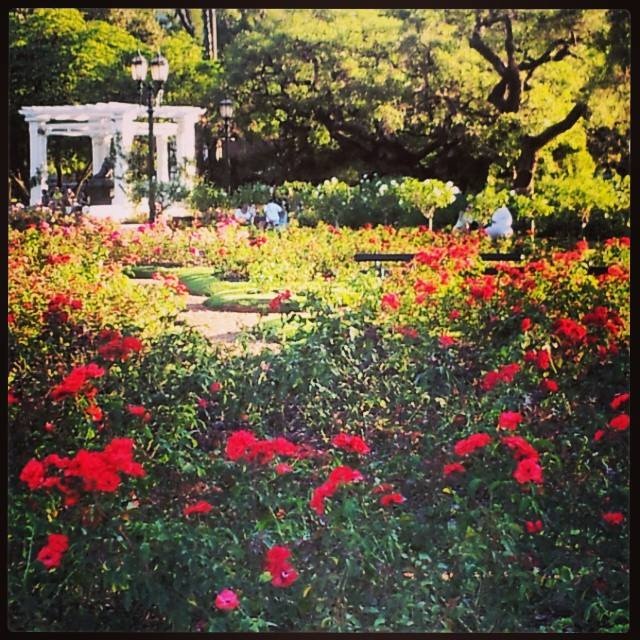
<point x="226" y="112"/>
<point x="159" y="74"/>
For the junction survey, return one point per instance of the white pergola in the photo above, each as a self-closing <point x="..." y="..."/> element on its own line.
<point x="104" y="122"/>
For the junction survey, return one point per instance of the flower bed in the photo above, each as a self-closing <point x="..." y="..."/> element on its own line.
<point x="446" y="452"/>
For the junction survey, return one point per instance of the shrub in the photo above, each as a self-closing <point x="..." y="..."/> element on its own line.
<point x="419" y="453"/>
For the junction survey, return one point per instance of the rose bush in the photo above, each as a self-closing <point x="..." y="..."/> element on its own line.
<point x="439" y="450"/>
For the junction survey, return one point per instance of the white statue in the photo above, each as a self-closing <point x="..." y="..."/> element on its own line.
<point x="500" y="226"/>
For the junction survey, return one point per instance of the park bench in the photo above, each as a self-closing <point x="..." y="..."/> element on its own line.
<point x="179" y="222"/>
<point x="379" y="258"/>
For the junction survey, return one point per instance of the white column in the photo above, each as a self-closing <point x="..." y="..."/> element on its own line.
<point x="123" y="134"/>
<point x="163" y="158"/>
<point x="37" y="160"/>
<point x="100" y="144"/>
<point x="186" y="147"/>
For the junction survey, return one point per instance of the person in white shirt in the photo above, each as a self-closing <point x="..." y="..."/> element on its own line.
<point x="272" y="212"/>
<point x="245" y="214"/>
<point x="464" y="222"/>
<point x="500" y="226"/>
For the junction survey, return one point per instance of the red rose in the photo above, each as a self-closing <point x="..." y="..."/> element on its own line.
<point x="390" y="302"/>
<point x="408" y="332"/>
<point x="338" y="477"/>
<point x="344" y="475"/>
<point x="238" y="444"/>
<point x="618" y="399"/>
<point x="284" y="577"/>
<point x="51" y="554"/>
<point x="33" y="474"/>
<point x="533" y="527"/>
<point x="525" y="325"/>
<point x="489" y="380"/>
<point x="549" y="385"/>
<point x="454" y="467"/>
<point x="392" y="498"/>
<point x="528" y="470"/>
<point x="570" y="330"/>
<point x="354" y="444"/>
<point x="509" y="420"/>
<point x="227" y="600"/>
<point x="620" y="422"/>
<point x="520" y="447"/>
<point x="202" y="506"/>
<point x="507" y="372"/>
<point x="276" y="303"/>
<point x="94" y="412"/>
<point x="283" y="468"/>
<point x="215" y="386"/>
<point x="614" y="518"/>
<point x="136" y="410"/>
<point x="277" y="564"/>
<point x="470" y="444"/>
<point x="320" y="494"/>
<point x="446" y="341"/>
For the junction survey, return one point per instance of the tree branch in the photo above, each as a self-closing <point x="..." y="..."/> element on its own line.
<point x="505" y="96"/>
<point x="185" y="19"/>
<point x="537" y="142"/>
<point x="530" y="145"/>
<point x="563" y="51"/>
<point x="508" y="42"/>
<point x="476" y="42"/>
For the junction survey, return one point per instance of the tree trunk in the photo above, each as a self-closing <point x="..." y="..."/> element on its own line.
<point x="531" y="145"/>
<point x="209" y="34"/>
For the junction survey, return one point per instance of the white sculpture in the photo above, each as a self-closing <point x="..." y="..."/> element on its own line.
<point x="500" y="226"/>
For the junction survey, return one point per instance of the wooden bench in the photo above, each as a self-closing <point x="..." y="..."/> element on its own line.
<point x="177" y="222"/>
<point x="378" y="258"/>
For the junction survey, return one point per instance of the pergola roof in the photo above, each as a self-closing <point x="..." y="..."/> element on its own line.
<point x="100" y="110"/>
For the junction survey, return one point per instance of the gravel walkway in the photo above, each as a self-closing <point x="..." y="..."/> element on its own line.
<point x="217" y="326"/>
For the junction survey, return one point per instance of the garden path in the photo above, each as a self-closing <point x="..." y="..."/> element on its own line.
<point x="221" y="327"/>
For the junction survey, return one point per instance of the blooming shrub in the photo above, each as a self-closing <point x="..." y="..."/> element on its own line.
<point x="366" y="476"/>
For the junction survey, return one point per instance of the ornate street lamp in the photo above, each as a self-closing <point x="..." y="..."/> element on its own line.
<point x="226" y="113"/>
<point x="150" y="89"/>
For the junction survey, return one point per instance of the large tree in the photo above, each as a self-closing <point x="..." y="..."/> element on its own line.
<point x="550" y="70"/>
<point x="331" y="89"/>
<point x="442" y="93"/>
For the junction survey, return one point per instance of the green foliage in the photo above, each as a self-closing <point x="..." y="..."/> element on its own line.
<point x="206" y="195"/>
<point x="440" y="560"/>
<point x="402" y="91"/>
<point x="166" y="193"/>
<point x="192" y="80"/>
<point x="254" y="193"/>
<point x="322" y="93"/>
<point x="428" y="195"/>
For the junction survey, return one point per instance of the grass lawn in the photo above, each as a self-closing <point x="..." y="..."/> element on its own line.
<point x="221" y="295"/>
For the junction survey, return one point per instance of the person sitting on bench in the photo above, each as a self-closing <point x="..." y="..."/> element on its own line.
<point x="272" y="212"/>
<point x="500" y="226"/>
<point x="463" y="225"/>
<point x="245" y="214"/>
